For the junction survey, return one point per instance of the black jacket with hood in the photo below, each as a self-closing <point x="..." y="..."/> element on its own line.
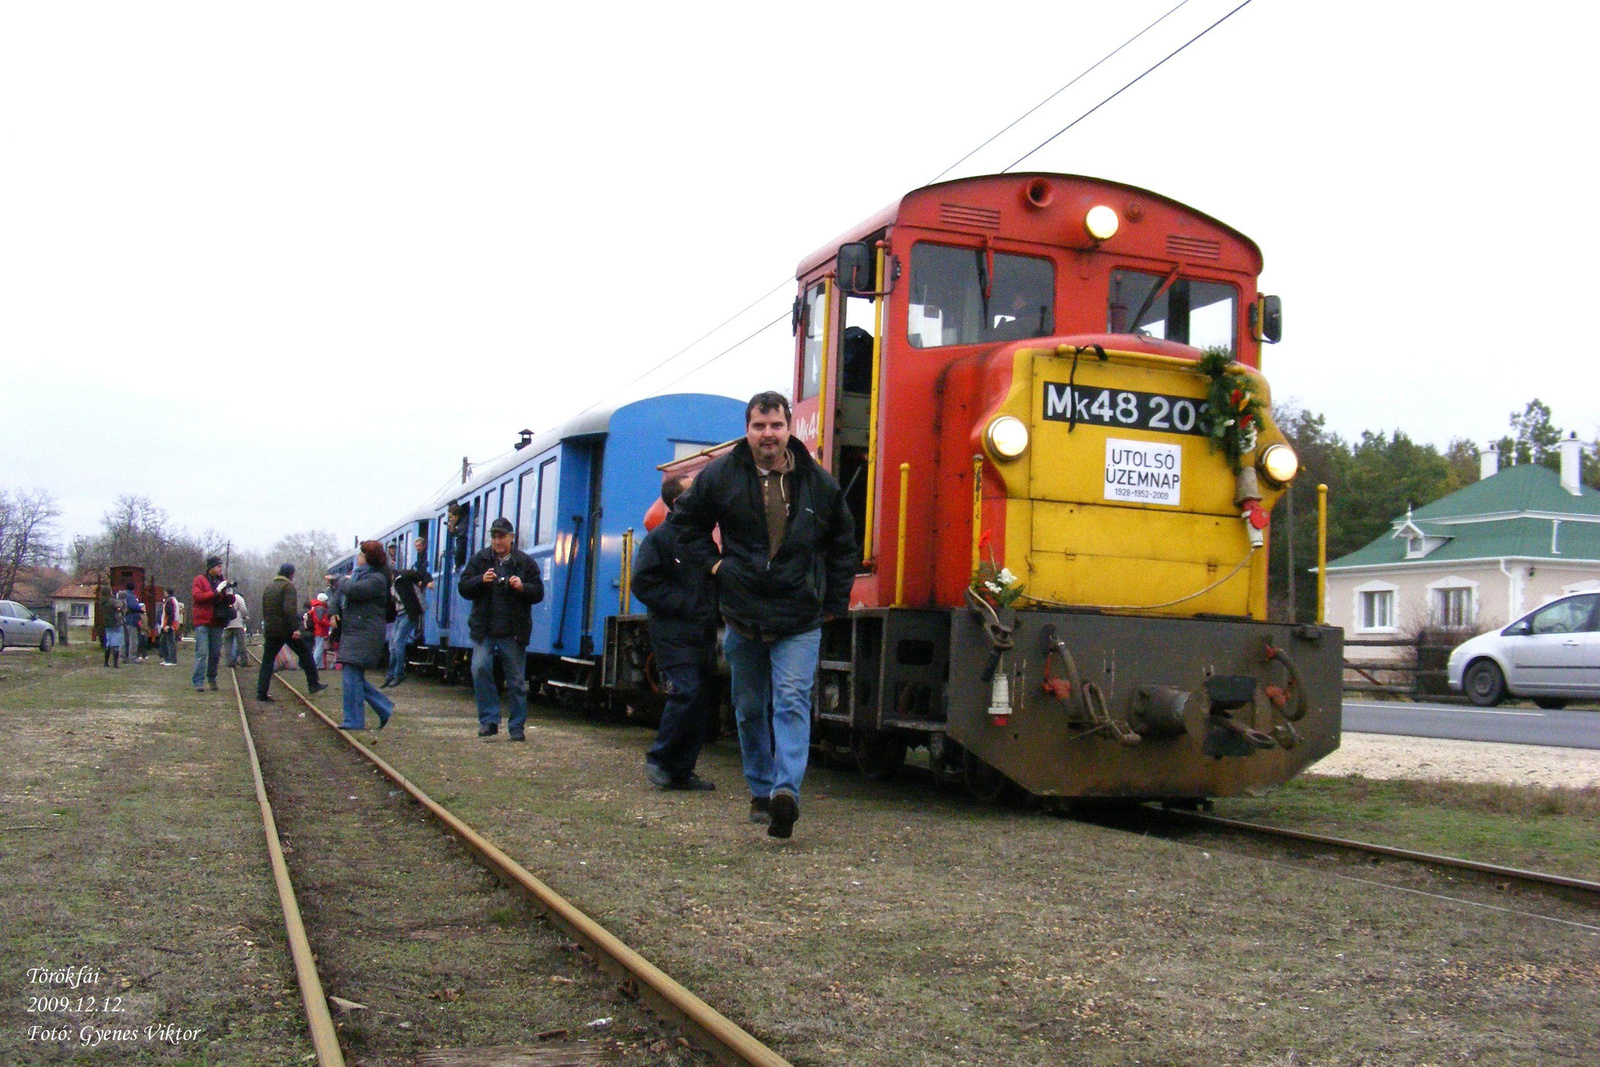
<point x="815" y="566"/>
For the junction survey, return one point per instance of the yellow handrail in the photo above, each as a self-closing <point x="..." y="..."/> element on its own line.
<point x="872" y="413"/>
<point x="977" y="509"/>
<point x="900" y="540"/>
<point x="626" y="597"/>
<point x="1322" y="553"/>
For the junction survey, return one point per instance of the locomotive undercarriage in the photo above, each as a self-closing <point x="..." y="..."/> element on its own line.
<point x="1061" y="703"/>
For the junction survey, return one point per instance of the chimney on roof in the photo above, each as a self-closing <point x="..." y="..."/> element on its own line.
<point x="1571" y="464"/>
<point x="1488" y="461"/>
<point x="524" y="439"/>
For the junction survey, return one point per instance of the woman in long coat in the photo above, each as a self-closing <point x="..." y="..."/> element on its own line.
<point x="363" y="604"/>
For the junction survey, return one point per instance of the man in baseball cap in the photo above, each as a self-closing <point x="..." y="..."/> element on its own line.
<point x="503" y="583"/>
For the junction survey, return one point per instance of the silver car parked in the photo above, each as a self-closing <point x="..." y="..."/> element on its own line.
<point x="21" y="627"/>
<point x="1551" y="656"/>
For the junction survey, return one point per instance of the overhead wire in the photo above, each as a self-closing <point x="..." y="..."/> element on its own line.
<point x="786" y="281"/>
<point x="1129" y="85"/>
<point x="1083" y="74"/>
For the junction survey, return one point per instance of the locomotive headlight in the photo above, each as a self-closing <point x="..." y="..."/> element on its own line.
<point x="1279" y="464"/>
<point x="1101" y="222"/>
<point x="1007" y="437"/>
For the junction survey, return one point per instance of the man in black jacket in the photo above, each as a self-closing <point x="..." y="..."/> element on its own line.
<point x="408" y="586"/>
<point x="280" y="626"/>
<point x="503" y="584"/>
<point x="788" y="561"/>
<point x="683" y="639"/>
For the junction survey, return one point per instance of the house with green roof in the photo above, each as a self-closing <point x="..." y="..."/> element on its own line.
<point x="1477" y="559"/>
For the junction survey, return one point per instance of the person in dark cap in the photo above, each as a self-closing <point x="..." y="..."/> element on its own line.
<point x="213" y="607"/>
<point x="280" y="620"/>
<point x="503" y="583"/>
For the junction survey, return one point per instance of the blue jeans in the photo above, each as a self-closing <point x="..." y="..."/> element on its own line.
<point x="405" y="626"/>
<point x="780" y="675"/>
<point x="359" y="691"/>
<point x="234" y="641"/>
<point x="513" y="657"/>
<point x="169" y="646"/>
<point x="207" y="651"/>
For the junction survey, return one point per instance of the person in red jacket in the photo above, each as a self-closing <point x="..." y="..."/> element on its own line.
<point x="213" y="607"/>
<point x="321" y="627"/>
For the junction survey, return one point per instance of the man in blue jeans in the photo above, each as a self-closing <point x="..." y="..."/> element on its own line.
<point x="503" y="584"/>
<point x="787" y="562"/>
<point x="409" y="585"/>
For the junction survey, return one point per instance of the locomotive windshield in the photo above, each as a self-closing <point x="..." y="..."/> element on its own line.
<point x="955" y="302"/>
<point x="1202" y="314"/>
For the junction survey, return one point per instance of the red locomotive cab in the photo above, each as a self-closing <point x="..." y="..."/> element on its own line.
<point x="895" y="318"/>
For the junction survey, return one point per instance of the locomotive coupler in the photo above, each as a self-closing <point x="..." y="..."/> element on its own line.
<point x="1224" y="736"/>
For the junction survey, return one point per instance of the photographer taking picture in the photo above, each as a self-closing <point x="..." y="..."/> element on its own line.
<point x="213" y="608"/>
<point x="503" y="584"/>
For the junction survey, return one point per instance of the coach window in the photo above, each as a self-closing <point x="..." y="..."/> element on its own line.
<point x="526" y="498"/>
<point x="812" y="314"/>
<point x="966" y="296"/>
<point x="1191" y="312"/>
<point x="544" y="529"/>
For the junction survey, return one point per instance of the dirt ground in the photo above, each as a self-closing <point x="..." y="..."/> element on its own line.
<point x="1390" y="756"/>
<point x="904" y="925"/>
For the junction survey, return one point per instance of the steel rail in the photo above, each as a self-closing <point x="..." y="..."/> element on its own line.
<point x="324" y="1038"/>
<point x="1513" y="873"/>
<point x="725" y="1040"/>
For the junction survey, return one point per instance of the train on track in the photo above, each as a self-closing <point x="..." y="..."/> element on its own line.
<point x="1042" y="395"/>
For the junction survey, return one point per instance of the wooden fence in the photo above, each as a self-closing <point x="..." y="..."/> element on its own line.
<point x="1415" y="669"/>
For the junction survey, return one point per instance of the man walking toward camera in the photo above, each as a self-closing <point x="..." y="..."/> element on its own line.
<point x="503" y="584"/>
<point x="787" y="563"/>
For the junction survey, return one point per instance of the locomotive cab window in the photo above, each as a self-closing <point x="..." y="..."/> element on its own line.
<point x="811" y="340"/>
<point x="1189" y="311"/>
<point x="966" y="296"/>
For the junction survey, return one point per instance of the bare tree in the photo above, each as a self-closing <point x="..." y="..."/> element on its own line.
<point x="26" y="522"/>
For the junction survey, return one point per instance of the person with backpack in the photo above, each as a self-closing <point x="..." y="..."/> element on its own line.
<point x="233" y="635"/>
<point x="111" y="634"/>
<point x="132" y="614"/>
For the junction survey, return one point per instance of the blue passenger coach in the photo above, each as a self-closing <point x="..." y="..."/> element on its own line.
<point x="571" y="493"/>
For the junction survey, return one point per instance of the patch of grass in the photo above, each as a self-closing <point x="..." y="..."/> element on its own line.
<point x="1538" y="827"/>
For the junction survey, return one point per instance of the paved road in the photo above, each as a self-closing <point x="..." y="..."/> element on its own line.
<point x="1519" y="725"/>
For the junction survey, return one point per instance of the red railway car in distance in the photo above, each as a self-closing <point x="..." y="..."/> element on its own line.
<point x="1055" y="380"/>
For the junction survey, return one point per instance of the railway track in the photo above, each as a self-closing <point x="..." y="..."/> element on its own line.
<point x="1585" y="889"/>
<point x="724" y="1041"/>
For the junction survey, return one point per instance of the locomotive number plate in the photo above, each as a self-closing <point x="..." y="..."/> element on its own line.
<point x="1144" y="472"/>
<point x="1122" y="408"/>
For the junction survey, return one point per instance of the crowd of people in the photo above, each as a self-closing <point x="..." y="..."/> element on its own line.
<point x="760" y="545"/>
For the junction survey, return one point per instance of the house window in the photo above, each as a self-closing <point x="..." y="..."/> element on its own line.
<point x="1377" y="610"/>
<point x="1452" y="608"/>
<point x="79" y="611"/>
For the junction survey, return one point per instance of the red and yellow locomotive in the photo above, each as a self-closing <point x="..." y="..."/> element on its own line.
<point x="1041" y="394"/>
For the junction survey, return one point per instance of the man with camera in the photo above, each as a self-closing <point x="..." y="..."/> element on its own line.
<point x="503" y="584"/>
<point x="213" y="607"/>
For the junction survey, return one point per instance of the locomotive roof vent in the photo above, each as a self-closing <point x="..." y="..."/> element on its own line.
<point x="524" y="439"/>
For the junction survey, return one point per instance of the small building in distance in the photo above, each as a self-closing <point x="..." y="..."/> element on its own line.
<point x="1477" y="559"/>
<point x="76" y="602"/>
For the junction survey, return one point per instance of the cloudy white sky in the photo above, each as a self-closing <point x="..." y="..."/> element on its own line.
<point x="281" y="266"/>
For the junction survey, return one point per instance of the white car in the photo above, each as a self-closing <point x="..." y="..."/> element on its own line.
<point x="21" y="627"/>
<point x="1550" y="656"/>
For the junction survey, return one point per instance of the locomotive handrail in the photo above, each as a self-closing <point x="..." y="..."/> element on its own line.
<point x="872" y="417"/>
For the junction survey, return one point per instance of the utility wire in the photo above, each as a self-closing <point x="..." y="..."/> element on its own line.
<point x="1087" y="71"/>
<point x="787" y="281"/>
<point x="1129" y="85"/>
